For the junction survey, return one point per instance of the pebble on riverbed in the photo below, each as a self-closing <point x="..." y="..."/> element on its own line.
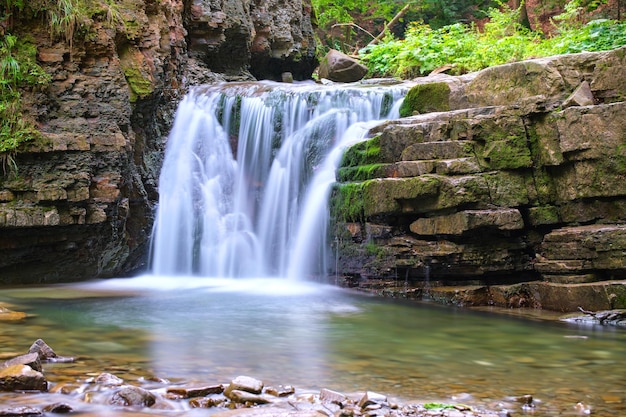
<point x="243" y="396"/>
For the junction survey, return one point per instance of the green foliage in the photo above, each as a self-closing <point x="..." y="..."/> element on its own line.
<point x="18" y="70"/>
<point x="597" y="35"/>
<point x="63" y="17"/>
<point x="438" y="406"/>
<point x="329" y="12"/>
<point x="466" y="48"/>
<point x="357" y="22"/>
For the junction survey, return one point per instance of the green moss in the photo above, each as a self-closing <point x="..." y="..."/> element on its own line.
<point x="543" y="184"/>
<point x="382" y="196"/>
<point x="141" y="86"/>
<point x="509" y="153"/>
<point x="372" y="248"/>
<point x="507" y="188"/>
<point x="362" y="172"/>
<point x="346" y="202"/>
<point x="503" y="143"/>
<point x="362" y="153"/>
<point x="438" y="406"/>
<point x="426" y="98"/>
<point x="543" y="215"/>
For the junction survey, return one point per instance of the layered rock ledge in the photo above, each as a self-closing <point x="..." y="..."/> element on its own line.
<point x="503" y="187"/>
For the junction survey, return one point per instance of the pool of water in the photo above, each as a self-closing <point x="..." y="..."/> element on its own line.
<point x="314" y="336"/>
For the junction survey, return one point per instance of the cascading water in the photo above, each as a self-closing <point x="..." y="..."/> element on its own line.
<point x="263" y="212"/>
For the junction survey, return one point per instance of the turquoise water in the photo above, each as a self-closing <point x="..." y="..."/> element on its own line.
<point x="314" y="336"/>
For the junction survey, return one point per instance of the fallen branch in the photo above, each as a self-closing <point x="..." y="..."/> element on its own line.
<point x="391" y="24"/>
<point x="605" y="316"/>
<point x="352" y="24"/>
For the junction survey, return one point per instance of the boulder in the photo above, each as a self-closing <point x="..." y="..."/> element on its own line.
<point x="339" y="67"/>
<point x="244" y="383"/>
<point x="133" y="396"/>
<point x="30" y="359"/>
<point x="21" y="377"/>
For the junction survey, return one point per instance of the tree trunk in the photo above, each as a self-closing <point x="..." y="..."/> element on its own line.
<point x="523" y="13"/>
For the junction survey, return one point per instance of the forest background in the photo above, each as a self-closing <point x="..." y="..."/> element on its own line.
<point x="393" y="38"/>
<point x="408" y="39"/>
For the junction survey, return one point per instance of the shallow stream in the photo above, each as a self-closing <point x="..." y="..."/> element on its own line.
<point x="312" y="336"/>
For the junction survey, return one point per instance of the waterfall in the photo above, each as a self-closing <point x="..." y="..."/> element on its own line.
<point x="247" y="172"/>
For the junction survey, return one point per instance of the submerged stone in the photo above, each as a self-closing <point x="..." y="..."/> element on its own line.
<point x="133" y="396"/>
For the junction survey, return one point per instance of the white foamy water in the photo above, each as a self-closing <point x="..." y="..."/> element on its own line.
<point x="247" y="174"/>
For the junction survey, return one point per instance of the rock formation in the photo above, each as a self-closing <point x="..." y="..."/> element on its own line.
<point x="494" y="185"/>
<point x="80" y="204"/>
<point x="265" y="37"/>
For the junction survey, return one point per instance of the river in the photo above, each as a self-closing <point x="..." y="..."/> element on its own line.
<point x="203" y="330"/>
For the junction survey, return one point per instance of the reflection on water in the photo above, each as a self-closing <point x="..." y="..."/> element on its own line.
<point x="314" y="336"/>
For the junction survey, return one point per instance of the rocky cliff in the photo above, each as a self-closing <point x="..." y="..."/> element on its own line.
<point x="505" y="187"/>
<point x="80" y="202"/>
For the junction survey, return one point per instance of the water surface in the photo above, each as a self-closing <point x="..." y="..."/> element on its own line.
<point x="313" y="336"/>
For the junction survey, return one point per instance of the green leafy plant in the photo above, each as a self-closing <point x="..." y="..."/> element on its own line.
<point x="18" y="69"/>
<point x="503" y="39"/>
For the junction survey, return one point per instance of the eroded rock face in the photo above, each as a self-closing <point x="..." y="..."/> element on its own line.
<point x="82" y="200"/>
<point x="502" y="184"/>
<point x="266" y="38"/>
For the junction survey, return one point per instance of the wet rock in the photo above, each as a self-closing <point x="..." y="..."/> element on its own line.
<point x="133" y="396"/>
<point x="287" y="77"/>
<point x="20" y="412"/>
<point x="281" y="390"/>
<point x="331" y="396"/>
<point x="58" y="408"/>
<point x="244" y="383"/>
<point x="525" y="399"/>
<point x="187" y="392"/>
<point x="370" y="398"/>
<point x="270" y="412"/>
<point x="30" y="359"/>
<point x="106" y="378"/>
<point x="42" y="349"/>
<point x="206" y="402"/>
<point x="339" y="67"/>
<point x="46" y="354"/>
<point x="241" y="397"/>
<point x="9" y="315"/>
<point x="22" y="378"/>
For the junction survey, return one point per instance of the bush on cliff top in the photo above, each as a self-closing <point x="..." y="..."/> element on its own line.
<point x="503" y="39"/>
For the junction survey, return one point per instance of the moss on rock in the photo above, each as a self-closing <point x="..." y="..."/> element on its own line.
<point x="426" y="98"/>
<point x="346" y="202"/>
<point x="362" y="172"/>
<point x="362" y="153"/>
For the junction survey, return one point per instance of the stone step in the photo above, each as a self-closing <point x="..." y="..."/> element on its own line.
<point x="408" y="169"/>
<point x="451" y="149"/>
<point x="468" y="220"/>
<point x="455" y="166"/>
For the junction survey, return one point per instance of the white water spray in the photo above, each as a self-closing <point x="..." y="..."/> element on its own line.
<point x="264" y="212"/>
